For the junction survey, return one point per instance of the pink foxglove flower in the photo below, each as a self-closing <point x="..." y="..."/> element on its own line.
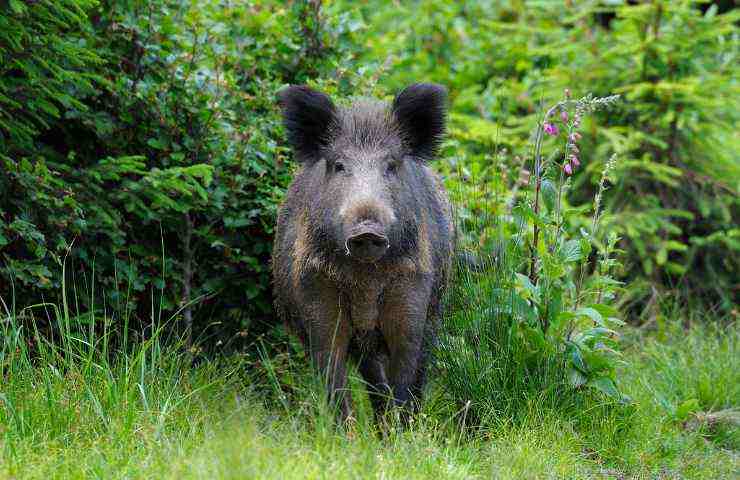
<point x="574" y="160"/>
<point x="564" y="116"/>
<point x="568" y="169"/>
<point x="575" y="136"/>
<point x="550" y="129"/>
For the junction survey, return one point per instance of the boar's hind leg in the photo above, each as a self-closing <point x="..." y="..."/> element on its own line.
<point x="403" y="321"/>
<point x="327" y="339"/>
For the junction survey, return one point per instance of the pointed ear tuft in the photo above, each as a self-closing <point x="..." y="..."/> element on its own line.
<point x="309" y="117"/>
<point x="420" y="110"/>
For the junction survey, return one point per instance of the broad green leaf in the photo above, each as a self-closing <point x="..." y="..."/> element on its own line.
<point x="591" y="313"/>
<point x="576" y="378"/>
<point x="17" y="6"/>
<point x="571" y="251"/>
<point x="605" y="385"/>
<point x="577" y="359"/>
<point x="686" y="408"/>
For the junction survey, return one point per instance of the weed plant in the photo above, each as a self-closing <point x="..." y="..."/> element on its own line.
<point x="535" y="325"/>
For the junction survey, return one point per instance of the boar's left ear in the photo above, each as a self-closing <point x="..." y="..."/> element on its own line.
<point x="420" y="110"/>
<point x="308" y="117"/>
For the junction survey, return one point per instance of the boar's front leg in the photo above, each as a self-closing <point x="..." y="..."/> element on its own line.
<point x="403" y="322"/>
<point x="328" y="332"/>
<point x="371" y="355"/>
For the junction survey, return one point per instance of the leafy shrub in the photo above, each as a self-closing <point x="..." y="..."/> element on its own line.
<point x="46" y="68"/>
<point x="152" y="160"/>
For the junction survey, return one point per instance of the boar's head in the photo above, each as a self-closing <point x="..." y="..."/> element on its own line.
<point x="363" y="167"/>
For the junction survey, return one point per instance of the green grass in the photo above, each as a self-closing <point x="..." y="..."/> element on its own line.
<point x="69" y="411"/>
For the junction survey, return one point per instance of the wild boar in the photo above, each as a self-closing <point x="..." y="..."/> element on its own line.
<point x="364" y="239"/>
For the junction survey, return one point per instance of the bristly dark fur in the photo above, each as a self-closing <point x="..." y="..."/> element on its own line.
<point x="309" y="117"/>
<point x="364" y="166"/>
<point x="313" y="121"/>
<point x="367" y="125"/>
<point x="420" y="111"/>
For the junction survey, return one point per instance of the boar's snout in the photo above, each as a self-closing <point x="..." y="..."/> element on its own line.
<point x="367" y="242"/>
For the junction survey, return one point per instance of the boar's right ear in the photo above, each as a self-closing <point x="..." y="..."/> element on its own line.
<point x="308" y="117"/>
<point x="420" y="110"/>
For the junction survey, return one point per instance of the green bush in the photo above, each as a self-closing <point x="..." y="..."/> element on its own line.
<point x="151" y="157"/>
<point x="675" y="199"/>
<point x="46" y="69"/>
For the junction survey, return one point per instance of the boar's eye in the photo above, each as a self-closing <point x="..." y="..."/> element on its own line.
<point x="338" y="167"/>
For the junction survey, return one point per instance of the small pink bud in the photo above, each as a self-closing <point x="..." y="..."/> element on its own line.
<point x="574" y="160"/>
<point x="567" y="168"/>
<point x="550" y="129"/>
<point x="575" y="136"/>
<point x="564" y="116"/>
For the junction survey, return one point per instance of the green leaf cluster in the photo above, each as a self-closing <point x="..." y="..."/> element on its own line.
<point x="140" y="143"/>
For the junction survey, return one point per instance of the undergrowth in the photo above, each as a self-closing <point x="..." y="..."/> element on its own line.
<point x="69" y="408"/>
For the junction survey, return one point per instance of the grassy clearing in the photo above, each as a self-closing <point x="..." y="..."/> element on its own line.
<point x="70" y="413"/>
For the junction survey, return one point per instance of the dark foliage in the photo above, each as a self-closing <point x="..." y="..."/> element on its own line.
<point x="141" y="147"/>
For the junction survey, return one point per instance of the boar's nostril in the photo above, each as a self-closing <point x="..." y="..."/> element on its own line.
<point x="367" y="246"/>
<point x="368" y="239"/>
<point x="379" y="242"/>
